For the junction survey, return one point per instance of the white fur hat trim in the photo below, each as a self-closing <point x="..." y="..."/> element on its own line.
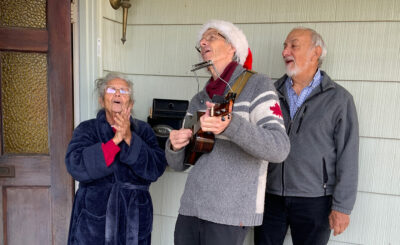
<point x="233" y="34"/>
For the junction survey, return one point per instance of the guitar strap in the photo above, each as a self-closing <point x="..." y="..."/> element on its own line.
<point x="241" y="81"/>
<point x="237" y="88"/>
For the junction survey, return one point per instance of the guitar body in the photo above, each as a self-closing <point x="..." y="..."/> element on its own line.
<point x="203" y="142"/>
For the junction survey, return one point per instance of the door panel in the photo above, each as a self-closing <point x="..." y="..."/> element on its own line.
<point x="35" y="171"/>
<point x="24" y="102"/>
<point x="23" y="13"/>
<point x="36" y="121"/>
<point x="30" y="205"/>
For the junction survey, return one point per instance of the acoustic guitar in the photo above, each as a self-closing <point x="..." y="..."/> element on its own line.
<point x="203" y="142"/>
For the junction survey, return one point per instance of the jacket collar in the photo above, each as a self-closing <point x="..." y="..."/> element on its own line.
<point x="325" y="84"/>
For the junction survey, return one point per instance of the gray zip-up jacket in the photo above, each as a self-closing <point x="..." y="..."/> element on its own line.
<point x="323" y="158"/>
<point x="227" y="185"/>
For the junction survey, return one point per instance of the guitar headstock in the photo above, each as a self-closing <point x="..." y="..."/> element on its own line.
<point x="224" y="108"/>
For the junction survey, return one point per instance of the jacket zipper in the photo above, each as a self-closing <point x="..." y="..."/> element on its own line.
<point x="290" y="129"/>
<point x="325" y="175"/>
<point x="283" y="163"/>
<point x="301" y="118"/>
<point x="288" y="133"/>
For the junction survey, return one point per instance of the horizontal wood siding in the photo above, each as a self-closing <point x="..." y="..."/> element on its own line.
<point x="356" y="50"/>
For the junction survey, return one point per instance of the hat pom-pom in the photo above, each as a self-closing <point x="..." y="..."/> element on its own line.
<point x="249" y="61"/>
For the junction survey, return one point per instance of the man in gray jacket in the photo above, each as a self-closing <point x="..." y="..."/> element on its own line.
<point x="314" y="189"/>
<point x="225" y="190"/>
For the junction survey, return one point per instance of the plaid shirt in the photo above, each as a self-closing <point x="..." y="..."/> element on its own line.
<point x="296" y="101"/>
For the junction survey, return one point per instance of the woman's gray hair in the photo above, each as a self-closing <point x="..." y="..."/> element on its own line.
<point x="101" y="84"/>
<point x="317" y="40"/>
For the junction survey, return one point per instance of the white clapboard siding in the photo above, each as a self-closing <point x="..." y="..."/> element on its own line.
<point x="163" y="230"/>
<point x="367" y="10"/>
<point x="356" y="50"/>
<point x="172" y="188"/>
<point x="157" y="50"/>
<point x="377" y="106"/>
<point x="374" y="220"/>
<point x="156" y="235"/>
<point x="256" y="11"/>
<point x="379" y="166"/>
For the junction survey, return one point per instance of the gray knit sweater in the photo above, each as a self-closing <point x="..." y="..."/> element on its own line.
<point x="227" y="185"/>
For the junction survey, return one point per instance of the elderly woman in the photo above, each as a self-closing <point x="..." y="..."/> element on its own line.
<point x="115" y="158"/>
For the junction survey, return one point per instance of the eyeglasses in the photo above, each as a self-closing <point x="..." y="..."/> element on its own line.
<point x="122" y="91"/>
<point x="210" y="37"/>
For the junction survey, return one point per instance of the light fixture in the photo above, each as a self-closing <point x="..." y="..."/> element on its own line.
<point x="125" y="5"/>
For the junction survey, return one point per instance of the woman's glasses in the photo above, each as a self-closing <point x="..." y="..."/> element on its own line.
<point x="122" y="91"/>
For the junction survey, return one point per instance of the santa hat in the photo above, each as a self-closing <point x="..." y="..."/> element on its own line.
<point x="233" y="34"/>
<point x="249" y="61"/>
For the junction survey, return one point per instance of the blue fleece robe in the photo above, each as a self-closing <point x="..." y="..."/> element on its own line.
<point x="112" y="204"/>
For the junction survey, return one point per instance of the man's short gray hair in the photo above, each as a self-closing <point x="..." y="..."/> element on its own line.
<point x="101" y="84"/>
<point x="317" y="40"/>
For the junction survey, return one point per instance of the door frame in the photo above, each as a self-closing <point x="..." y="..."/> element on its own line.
<point x="61" y="114"/>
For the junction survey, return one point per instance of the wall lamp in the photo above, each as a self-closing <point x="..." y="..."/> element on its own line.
<point x="125" y="5"/>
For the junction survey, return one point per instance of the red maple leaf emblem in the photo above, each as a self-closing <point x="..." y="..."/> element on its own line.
<point x="276" y="110"/>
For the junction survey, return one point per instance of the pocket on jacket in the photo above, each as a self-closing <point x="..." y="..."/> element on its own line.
<point x="325" y="175"/>
<point x="90" y="229"/>
<point x="145" y="217"/>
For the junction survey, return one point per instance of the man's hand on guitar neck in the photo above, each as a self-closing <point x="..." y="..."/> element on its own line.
<point x="180" y="138"/>
<point x="214" y="124"/>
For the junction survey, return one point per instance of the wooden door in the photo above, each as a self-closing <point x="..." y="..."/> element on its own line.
<point x="36" y="121"/>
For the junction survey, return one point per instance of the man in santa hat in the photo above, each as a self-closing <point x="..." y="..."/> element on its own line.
<point x="225" y="189"/>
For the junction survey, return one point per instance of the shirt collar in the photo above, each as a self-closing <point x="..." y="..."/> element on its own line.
<point x="317" y="77"/>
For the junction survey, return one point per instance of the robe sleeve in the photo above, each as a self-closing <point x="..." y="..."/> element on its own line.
<point x="85" y="159"/>
<point x="144" y="156"/>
